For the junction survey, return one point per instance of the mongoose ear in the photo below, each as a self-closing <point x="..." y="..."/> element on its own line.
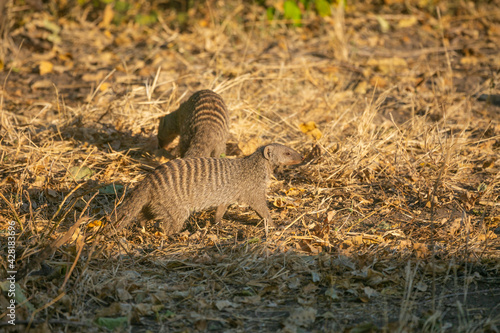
<point x="267" y="152"/>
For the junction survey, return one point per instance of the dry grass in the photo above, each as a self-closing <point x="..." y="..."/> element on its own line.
<point x="392" y="225"/>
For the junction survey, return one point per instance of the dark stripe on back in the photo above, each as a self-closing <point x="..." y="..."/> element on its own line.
<point x="204" y="173"/>
<point x="185" y="177"/>
<point x="217" y="172"/>
<point x="173" y="174"/>
<point x="197" y="177"/>
<point x="210" y="109"/>
<point x="160" y="182"/>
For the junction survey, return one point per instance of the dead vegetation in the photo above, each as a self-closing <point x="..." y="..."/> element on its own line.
<point x="392" y="225"/>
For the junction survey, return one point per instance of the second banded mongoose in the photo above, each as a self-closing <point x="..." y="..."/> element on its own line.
<point x="171" y="192"/>
<point x="202" y="123"/>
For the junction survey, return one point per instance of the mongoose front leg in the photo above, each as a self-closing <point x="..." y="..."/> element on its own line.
<point x="182" y="148"/>
<point x="219" y="213"/>
<point x="219" y="150"/>
<point x="260" y="206"/>
<point x="171" y="220"/>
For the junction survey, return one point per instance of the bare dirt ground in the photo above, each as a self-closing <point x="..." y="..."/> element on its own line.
<point x="391" y="225"/>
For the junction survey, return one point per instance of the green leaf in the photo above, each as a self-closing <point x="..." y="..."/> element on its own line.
<point x="80" y="172"/>
<point x="254" y="240"/>
<point x="332" y="293"/>
<point x="8" y="288"/>
<point x="122" y="6"/>
<point x="364" y="327"/>
<point x="164" y="316"/>
<point x="292" y="12"/>
<point x="110" y="189"/>
<point x="306" y="4"/>
<point x="323" y="8"/>
<point x="270" y="13"/>
<point x="147" y="19"/>
<point x="244" y="292"/>
<point x="51" y="26"/>
<point x="384" y="25"/>
<point x="182" y="18"/>
<point x="111" y="323"/>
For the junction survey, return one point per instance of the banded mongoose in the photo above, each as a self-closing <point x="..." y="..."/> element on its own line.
<point x="171" y="192"/>
<point x="202" y="123"/>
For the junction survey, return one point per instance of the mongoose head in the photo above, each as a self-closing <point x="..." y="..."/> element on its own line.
<point x="278" y="155"/>
<point x="167" y="130"/>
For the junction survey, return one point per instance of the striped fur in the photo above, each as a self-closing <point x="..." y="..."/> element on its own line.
<point x="202" y="123"/>
<point x="179" y="187"/>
